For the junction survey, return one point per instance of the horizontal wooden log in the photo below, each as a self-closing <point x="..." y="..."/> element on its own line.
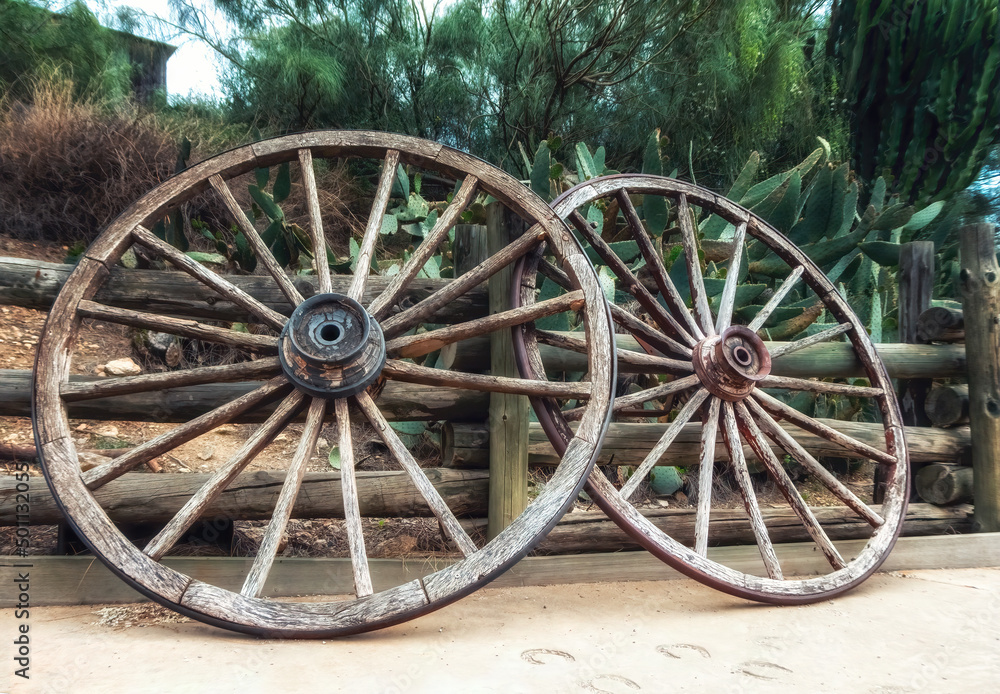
<point x="34" y="284"/>
<point x="591" y="531"/>
<point x="398" y="401"/>
<point x="948" y="405"/>
<point x="154" y="498"/>
<point x="466" y="445"/>
<point x="940" y="324"/>
<point x="830" y="360"/>
<point x="945" y="484"/>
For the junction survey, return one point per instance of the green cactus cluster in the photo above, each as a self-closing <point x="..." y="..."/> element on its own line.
<point x="817" y="204"/>
<point x="921" y="79"/>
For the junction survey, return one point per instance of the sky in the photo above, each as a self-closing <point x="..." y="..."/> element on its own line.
<point x="193" y="69"/>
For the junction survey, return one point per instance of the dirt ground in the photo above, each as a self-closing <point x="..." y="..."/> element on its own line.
<point x="900" y="632"/>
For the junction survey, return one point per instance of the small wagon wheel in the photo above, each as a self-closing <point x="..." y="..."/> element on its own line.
<point x="710" y="364"/>
<point x="336" y="356"/>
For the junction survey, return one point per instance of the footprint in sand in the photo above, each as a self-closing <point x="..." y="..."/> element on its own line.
<point x="762" y="669"/>
<point x="531" y="655"/>
<point x="677" y="650"/>
<point x="591" y="685"/>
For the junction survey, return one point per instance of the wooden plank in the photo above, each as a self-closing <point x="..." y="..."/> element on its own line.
<point x="980" y="280"/>
<point x="85" y="580"/>
<point x="508" y="413"/>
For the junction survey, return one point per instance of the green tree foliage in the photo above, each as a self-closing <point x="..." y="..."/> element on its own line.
<point x="922" y="81"/>
<point x="38" y="42"/>
<point x="720" y="78"/>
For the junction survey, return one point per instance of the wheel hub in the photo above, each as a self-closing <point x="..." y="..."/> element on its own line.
<point x="730" y="365"/>
<point x="331" y="347"/>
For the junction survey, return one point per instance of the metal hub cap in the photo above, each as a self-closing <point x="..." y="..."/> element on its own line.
<point x="731" y="364"/>
<point x="331" y="347"/>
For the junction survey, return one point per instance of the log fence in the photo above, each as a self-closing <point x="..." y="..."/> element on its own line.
<point x="967" y="417"/>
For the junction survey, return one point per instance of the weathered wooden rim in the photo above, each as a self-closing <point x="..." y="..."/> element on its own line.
<point x="266" y="617"/>
<point x="680" y="557"/>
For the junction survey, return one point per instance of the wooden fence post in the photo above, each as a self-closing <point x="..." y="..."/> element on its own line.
<point x="470" y="247"/>
<point x="508" y="419"/>
<point x="980" y="280"/>
<point x="468" y="251"/>
<point x="916" y="286"/>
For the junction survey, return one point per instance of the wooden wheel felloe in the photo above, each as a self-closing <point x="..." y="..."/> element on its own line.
<point x="333" y="348"/>
<point x="704" y="368"/>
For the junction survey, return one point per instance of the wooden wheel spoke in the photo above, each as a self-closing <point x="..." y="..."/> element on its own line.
<point x="656" y="392"/>
<point x="655" y="262"/>
<point x="786" y="286"/>
<point x="725" y="316"/>
<point x="425" y="343"/>
<point x="709" y="429"/>
<point x="403" y="321"/>
<point x="257" y="577"/>
<point x="653" y="307"/>
<point x="181" y="327"/>
<point x="822" y="336"/>
<point x="388" y="298"/>
<point x="222" y="477"/>
<point x="795" y="449"/>
<point x="352" y="509"/>
<point x="785" y="485"/>
<point x="699" y="298"/>
<point x="399" y="451"/>
<point x="789" y="383"/>
<point x="783" y="411"/>
<point x="663" y="444"/>
<point x="244" y="371"/>
<point x="101" y="475"/>
<point x="549" y="270"/>
<point x="731" y="436"/>
<point x="413" y="373"/>
<point x="316" y="233"/>
<point x="647" y="334"/>
<point x="205" y="276"/>
<point x="374" y="227"/>
<point x="257" y="244"/>
<point x="628" y="360"/>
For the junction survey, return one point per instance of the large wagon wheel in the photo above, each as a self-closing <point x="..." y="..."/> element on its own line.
<point x="701" y="364"/>
<point x="338" y="355"/>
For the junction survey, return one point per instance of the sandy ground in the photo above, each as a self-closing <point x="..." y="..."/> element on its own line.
<point x="901" y="632"/>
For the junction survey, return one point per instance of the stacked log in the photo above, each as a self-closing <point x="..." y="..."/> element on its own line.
<point x="945" y="481"/>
